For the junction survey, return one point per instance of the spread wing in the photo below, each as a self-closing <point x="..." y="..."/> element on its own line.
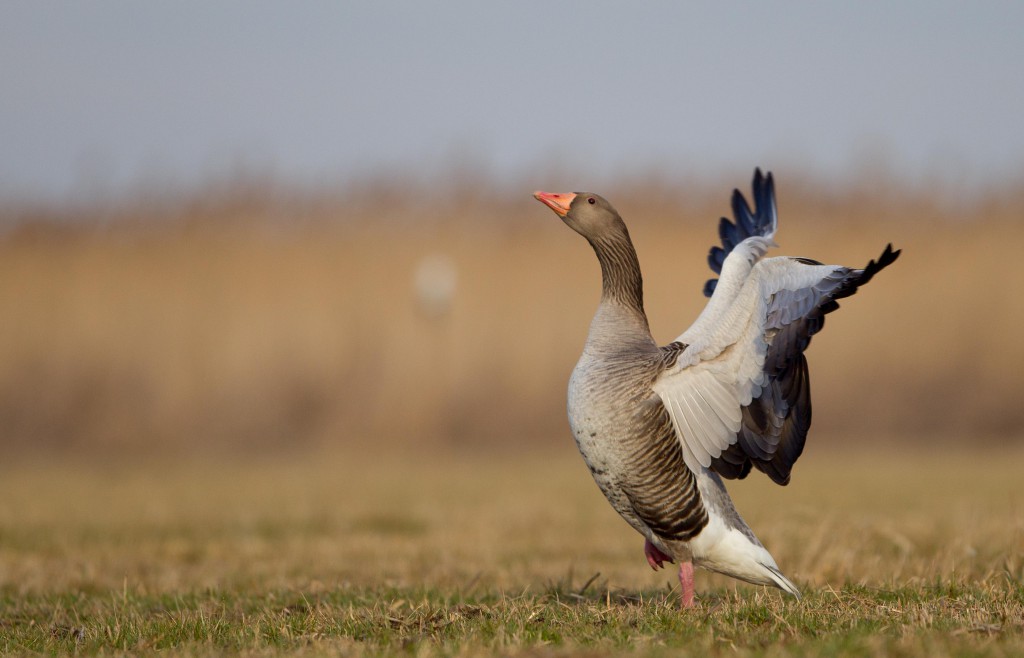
<point x="775" y="424"/>
<point x="739" y="394"/>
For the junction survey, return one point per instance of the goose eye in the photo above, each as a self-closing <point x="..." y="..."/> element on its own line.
<point x="591" y="200"/>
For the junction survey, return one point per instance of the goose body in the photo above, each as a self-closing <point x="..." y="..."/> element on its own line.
<point x="660" y="426"/>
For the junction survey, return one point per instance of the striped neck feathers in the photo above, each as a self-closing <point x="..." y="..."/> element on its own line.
<point x="620" y="270"/>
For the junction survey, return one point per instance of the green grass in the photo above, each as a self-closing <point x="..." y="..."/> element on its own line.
<point x="439" y="555"/>
<point x="926" y="619"/>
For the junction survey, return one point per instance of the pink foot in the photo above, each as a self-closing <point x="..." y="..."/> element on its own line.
<point x="655" y="558"/>
<point x="686" y="583"/>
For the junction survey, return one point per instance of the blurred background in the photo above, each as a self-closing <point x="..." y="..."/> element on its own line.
<point x="251" y="228"/>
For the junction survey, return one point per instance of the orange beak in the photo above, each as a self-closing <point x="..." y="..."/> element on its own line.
<point x="558" y="202"/>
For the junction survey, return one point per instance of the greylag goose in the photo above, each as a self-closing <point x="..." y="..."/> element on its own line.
<point x="659" y="427"/>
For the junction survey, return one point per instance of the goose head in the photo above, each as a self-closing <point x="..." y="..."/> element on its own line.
<point x="588" y="214"/>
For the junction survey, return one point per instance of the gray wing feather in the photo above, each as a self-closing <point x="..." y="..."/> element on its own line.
<point x="775" y="424"/>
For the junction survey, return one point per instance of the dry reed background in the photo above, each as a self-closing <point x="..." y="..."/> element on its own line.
<point x="248" y="318"/>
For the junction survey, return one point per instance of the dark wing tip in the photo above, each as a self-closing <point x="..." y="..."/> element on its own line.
<point x="888" y="257"/>
<point x="716" y="257"/>
<point x="746" y="222"/>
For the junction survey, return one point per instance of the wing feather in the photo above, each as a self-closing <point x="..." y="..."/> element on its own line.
<point x="739" y="394"/>
<point x="705" y="439"/>
<point x="762" y="222"/>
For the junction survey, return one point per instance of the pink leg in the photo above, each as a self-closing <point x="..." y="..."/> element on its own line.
<point x="655" y="558"/>
<point x="686" y="583"/>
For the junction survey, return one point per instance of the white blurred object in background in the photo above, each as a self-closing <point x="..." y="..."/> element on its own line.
<point x="434" y="282"/>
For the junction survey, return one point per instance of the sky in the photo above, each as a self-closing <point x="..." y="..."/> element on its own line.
<point x="103" y="98"/>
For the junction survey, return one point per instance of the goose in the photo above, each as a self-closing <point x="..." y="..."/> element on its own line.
<point x="660" y="427"/>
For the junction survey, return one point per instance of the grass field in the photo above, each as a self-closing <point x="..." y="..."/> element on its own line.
<point x="898" y="552"/>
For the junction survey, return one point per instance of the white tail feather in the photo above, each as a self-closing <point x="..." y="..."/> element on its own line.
<point x="781" y="581"/>
<point x="727" y="545"/>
